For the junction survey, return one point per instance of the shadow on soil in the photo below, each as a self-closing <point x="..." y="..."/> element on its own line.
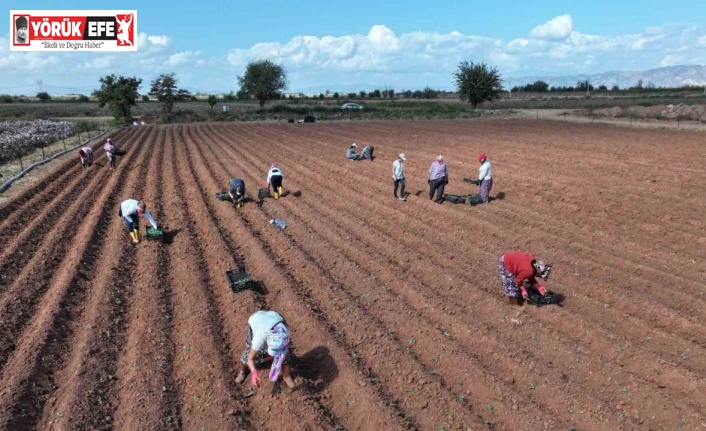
<point x="316" y="366"/>
<point x="500" y="196"/>
<point x="169" y="235"/>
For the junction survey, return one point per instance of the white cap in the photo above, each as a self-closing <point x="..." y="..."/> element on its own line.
<point x="439" y="157"/>
<point x="402" y="156"/>
<point x="354" y="145"/>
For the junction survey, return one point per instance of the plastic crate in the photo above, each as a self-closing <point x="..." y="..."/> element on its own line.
<point x="263" y="193"/>
<point x="534" y="298"/>
<point x="152" y="234"/>
<point x="223" y="196"/>
<point x="238" y="280"/>
<point x="474" y="199"/>
<point x="454" y="199"/>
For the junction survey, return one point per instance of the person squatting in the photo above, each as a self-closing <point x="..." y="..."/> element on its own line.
<point x="275" y="176"/>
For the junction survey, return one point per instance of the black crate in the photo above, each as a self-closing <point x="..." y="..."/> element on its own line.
<point x="223" y="196"/>
<point x="550" y="298"/>
<point x="239" y="280"/>
<point x="454" y="199"/>
<point x="152" y="234"/>
<point x="263" y="193"/>
<point x="474" y="199"/>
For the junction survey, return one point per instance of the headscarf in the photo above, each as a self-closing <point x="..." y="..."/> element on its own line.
<point x="277" y="346"/>
<point x="542" y="269"/>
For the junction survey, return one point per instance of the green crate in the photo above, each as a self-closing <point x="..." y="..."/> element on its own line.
<point x="455" y="199"/>
<point x="152" y="234"/>
<point x="238" y="280"/>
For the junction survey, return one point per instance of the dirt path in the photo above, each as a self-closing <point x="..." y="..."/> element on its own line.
<point x="397" y="316"/>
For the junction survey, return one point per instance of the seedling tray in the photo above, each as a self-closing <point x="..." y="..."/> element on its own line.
<point x="263" y="193"/>
<point x="223" y="196"/>
<point x="454" y="199"/>
<point x="474" y="200"/>
<point x="119" y="152"/>
<point x="238" y="280"/>
<point x="152" y="234"/>
<point x="534" y="298"/>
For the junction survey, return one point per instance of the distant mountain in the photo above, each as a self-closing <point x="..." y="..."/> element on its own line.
<point x="672" y="76"/>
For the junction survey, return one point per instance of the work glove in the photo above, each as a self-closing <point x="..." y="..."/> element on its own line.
<point x="255" y="378"/>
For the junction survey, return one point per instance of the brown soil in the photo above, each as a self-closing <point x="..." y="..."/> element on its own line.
<point x="397" y="315"/>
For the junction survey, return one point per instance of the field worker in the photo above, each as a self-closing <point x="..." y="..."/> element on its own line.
<point x="130" y="210"/>
<point x="485" y="178"/>
<point x="398" y="177"/>
<point x="267" y="339"/>
<point x="352" y="153"/>
<point x="86" y="156"/>
<point x="438" y="178"/>
<point x="110" y="153"/>
<point x="515" y="268"/>
<point x="236" y="191"/>
<point x="274" y="179"/>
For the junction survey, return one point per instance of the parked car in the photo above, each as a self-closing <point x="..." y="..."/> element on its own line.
<point x="351" y="106"/>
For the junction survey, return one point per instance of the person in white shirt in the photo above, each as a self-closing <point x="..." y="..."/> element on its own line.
<point x="274" y="179"/>
<point x="398" y="177"/>
<point x="86" y="156"/>
<point x="267" y="339"/>
<point x="130" y="211"/>
<point x="485" y="178"/>
<point x="110" y="153"/>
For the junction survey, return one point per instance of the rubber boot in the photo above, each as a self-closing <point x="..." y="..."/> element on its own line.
<point x="137" y="235"/>
<point x="275" y="195"/>
<point x="280" y="190"/>
<point x="133" y="235"/>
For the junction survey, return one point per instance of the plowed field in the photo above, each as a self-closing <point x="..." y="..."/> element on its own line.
<point x="396" y="310"/>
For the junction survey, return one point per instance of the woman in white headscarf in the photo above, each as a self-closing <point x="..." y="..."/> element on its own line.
<point x="267" y="339"/>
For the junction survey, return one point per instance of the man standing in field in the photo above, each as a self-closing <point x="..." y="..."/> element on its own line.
<point x="398" y="177"/>
<point x="130" y="210"/>
<point x="274" y="179"/>
<point x="86" y="156"/>
<point x="438" y="178"/>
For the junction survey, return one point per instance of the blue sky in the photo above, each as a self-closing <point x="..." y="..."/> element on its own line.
<point x="364" y="44"/>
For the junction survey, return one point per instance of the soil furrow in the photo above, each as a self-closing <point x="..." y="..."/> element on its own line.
<point x="146" y="364"/>
<point x="305" y="306"/>
<point x="372" y="268"/>
<point x="349" y="226"/>
<point x="49" y="337"/>
<point x="19" y="302"/>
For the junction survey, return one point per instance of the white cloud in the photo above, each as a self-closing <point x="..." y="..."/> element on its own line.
<point x="558" y="28"/>
<point x="182" y="58"/>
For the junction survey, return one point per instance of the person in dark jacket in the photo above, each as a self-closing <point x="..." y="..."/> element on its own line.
<point x="236" y="191"/>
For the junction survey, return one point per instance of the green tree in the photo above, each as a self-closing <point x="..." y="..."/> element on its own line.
<point x="336" y="95"/>
<point x="477" y="83"/>
<point x="362" y="94"/>
<point x="119" y="93"/>
<point x="83" y="98"/>
<point x="212" y="101"/>
<point x="43" y="96"/>
<point x="263" y="80"/>
<point x="164" y="89"/>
